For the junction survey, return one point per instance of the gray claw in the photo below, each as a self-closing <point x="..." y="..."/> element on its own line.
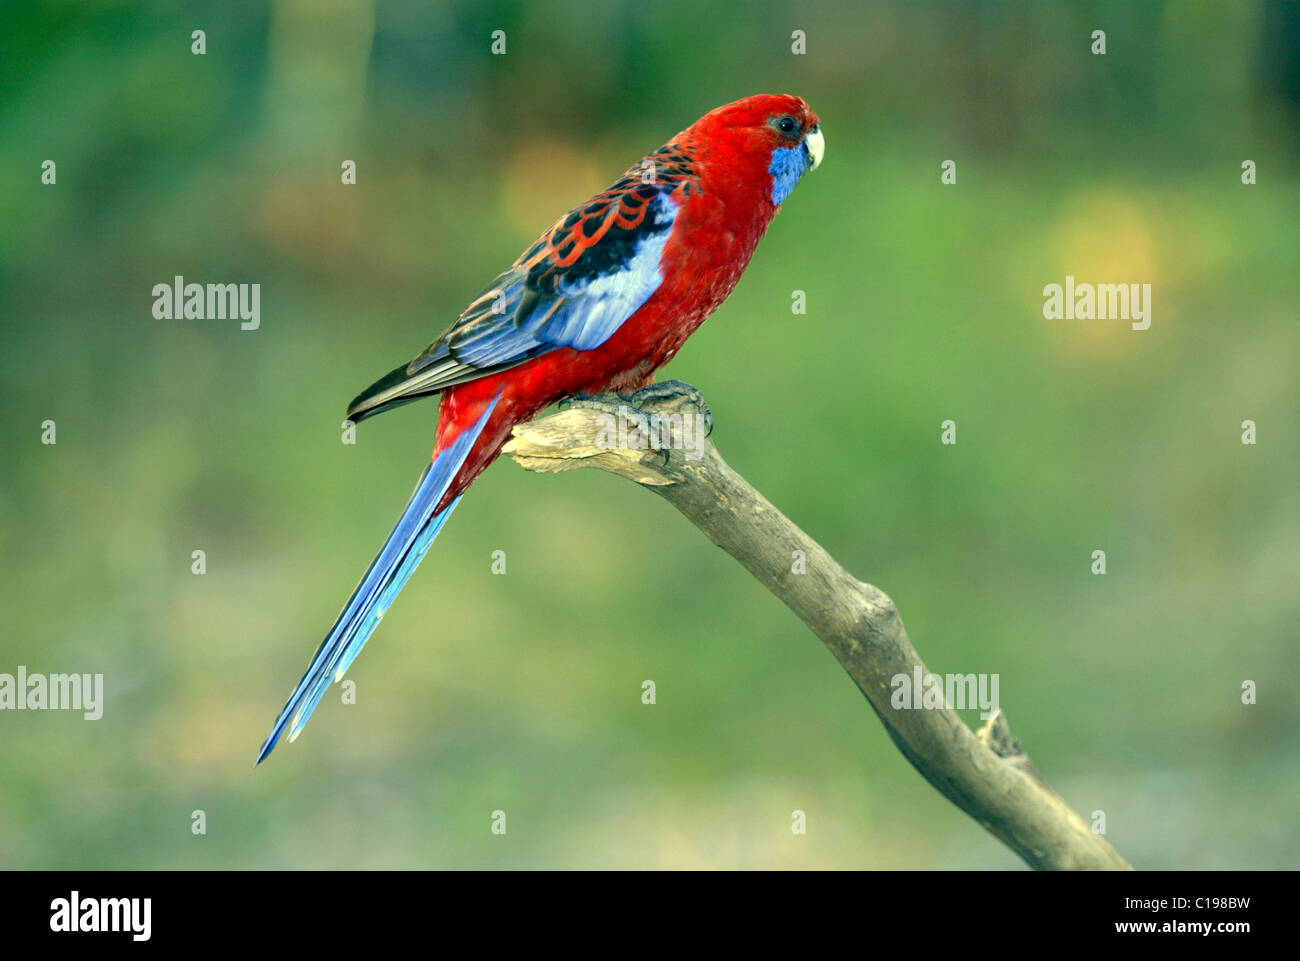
<point x="671" y="389"/>
<point x="608" y="402"/>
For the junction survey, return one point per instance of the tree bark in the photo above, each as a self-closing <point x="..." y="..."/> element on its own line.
<point x="986" y="774"/>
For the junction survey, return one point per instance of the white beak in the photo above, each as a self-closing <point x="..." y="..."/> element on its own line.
<point x="816" y="145"/>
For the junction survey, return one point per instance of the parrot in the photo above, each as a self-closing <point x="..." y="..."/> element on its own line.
<point x="605" y="297"/>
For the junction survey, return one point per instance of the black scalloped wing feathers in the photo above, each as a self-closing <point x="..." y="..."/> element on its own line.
<point x="573" y="287"/>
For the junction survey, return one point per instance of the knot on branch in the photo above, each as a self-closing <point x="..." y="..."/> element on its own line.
<point x="996" y="733"/>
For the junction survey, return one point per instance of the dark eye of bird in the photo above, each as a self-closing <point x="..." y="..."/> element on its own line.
<point x="787" y="124"/>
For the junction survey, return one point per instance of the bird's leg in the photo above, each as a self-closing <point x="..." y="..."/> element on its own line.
<point x="608" y="402"/>
<point x="615" y="405"/>
<point x="674" y="390"/>
<point x="668" y="426"/>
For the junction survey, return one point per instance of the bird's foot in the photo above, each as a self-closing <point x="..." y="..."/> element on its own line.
<point x="680" y="418"/>
<point x="674" y="390"/>
<point x="608" y="402"/>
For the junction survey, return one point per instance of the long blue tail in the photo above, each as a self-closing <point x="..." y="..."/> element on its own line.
<point x="386" y="576"/>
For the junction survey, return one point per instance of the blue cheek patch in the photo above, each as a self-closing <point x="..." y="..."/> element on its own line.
<point x="787" y="166"/>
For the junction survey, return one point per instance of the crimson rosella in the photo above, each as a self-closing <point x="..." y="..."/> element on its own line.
<point x="604" y="298"/>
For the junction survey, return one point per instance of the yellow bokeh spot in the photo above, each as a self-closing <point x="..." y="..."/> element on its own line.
<point x="544" y="179"/>
<point x="1102" y="237"/>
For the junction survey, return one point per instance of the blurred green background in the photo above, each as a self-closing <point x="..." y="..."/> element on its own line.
<point x="522" y="692"/>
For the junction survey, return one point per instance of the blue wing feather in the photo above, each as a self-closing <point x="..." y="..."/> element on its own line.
<point x="545" y="301"/>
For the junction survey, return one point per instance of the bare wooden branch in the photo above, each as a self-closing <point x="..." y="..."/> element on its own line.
<point x="986" y="774"/>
